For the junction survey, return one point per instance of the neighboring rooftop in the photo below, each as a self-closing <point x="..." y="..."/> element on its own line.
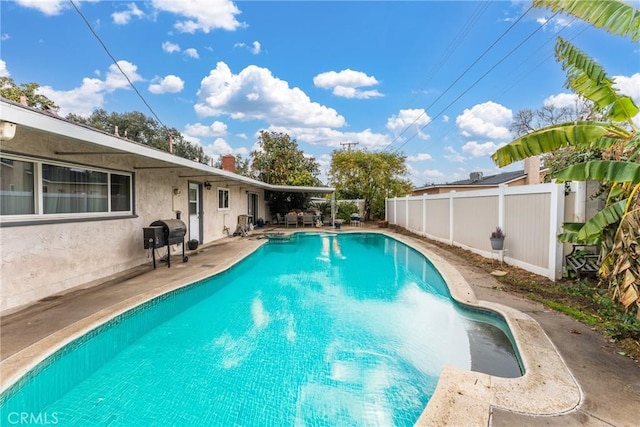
<point x="476" y="178"/>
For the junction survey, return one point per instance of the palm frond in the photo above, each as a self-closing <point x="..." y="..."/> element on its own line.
<point x="614" y="16"/>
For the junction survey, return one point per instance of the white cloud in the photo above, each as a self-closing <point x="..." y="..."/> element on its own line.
<point x="559" y="22"/>
<point x="220" y="147"/>
<point x="453" y="155"/>
<point x="115" y="79"/>
<point x="410" y="119"/>
<point x="5" y="37"/>
<point x="445" y="118"/>
<point x="346" y="83"/>
<point x="170" y="47"/>
<point x="432" y="173"/>
<point x="420" y="157"/>
<point x="256" y="48"/>
<point x="49" y="7"/>
<point x="90" y="95"/>
<point x="255" y="94"/>
<point x="192" y="53"/>
<point x="3" y="69"/>
<point x="475" y="149"/>
<point x="123" y="18"/>
<point x="629" y="86"/>
<point x="418" y="177"/>
<point x="562" y="100"/>
<point x="81" y="100"/>
<point x="327" y="137"/>
<point x="198" y="129"/>
<point x="490" y="120"/>
<point x="202" y="15"/>
<point x="169" y="84"/>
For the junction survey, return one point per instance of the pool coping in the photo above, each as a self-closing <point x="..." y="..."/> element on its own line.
<point x="461" y="397"/>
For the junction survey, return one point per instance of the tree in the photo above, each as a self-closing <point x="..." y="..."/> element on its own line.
<point x="360" y="174"/>
<point x="615" y="228"/>
<point x="143" y="129"/>
<point x="279" y="161"/>
<point x="11" y="91"/>
<point x="528" y="120"/>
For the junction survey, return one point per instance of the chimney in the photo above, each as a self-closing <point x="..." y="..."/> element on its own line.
<point x="229" y="163"/>
<point x="532" y="170"/>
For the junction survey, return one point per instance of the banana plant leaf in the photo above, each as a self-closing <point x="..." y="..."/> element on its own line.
<point x="601" y="170"/>
<point x="572" y="226"/>
<point x="549" y="139"/>
<point x="614" y="16"/>
<point x="587" y="78"/>
<point x="594" y="227"/>
<point x="572" y="237"/>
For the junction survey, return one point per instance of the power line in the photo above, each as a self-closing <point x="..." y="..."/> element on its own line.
<point x="455" y="43"/>
<point x="459" y="77"/>
<point x="479" y="79"/>
<point x="116" y="62"/>
<point x="579" y="30"/>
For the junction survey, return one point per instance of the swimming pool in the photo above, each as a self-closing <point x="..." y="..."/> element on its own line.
<point x="339" y="327"/>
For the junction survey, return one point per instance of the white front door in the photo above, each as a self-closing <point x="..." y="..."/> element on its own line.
<point x="194" y="211"/>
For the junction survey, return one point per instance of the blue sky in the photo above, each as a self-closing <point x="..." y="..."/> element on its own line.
<point x="417" y="77"/>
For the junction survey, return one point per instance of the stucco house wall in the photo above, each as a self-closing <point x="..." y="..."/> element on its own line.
<point x="39" y="260"/>
<point x="41" y="257"/>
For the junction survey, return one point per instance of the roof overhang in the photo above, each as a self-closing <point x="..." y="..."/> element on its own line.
<point x="104" y="143"/>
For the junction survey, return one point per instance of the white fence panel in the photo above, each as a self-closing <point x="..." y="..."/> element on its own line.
<point x="531" y="217"/>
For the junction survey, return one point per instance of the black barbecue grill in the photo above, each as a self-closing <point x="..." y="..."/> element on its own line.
<point x="165" y="233"/>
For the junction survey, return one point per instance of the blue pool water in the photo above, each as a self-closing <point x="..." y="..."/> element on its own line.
<point x="349" y="329"/>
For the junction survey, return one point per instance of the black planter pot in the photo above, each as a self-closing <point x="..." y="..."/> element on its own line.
<point x="192" y="244"/>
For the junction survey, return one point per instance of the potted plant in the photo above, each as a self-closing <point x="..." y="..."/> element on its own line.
<point x="497" y="239"/>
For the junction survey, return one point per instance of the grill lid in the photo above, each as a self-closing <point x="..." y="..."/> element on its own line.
<point x="174" y="229"/>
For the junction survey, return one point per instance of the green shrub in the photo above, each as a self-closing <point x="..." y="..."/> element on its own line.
<point x="345" y="210"/>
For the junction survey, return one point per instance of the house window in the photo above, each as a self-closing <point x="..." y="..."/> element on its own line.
<point x="223" y="198"/>
<point x="74" y="190"/>
<point x="16" y="187"/>
<point x="120" y="193"/>
<point x="42" y="189"/>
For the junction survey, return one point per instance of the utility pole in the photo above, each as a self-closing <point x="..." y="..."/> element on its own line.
<point x="349" y="144"/>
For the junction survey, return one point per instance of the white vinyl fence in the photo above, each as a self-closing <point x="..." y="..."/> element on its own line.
<point x="530" y="215"/>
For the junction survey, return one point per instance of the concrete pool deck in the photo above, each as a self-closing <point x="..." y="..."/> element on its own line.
<point x="587" y="384"/>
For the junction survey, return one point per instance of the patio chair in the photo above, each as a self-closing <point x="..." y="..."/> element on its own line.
<point x="242" y="228"/>
<point x="290" y="219"/>
<point x="278" y="220"/>
<point x="355" y="219"/>
<point x="307" y="219"/>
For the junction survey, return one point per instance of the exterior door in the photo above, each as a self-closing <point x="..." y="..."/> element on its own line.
<point x="195" y="212"/>
<point x="252" y="207"/>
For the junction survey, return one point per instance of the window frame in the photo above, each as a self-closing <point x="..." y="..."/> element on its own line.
<point x="40" y="217"/>
<point x="228" y="199"/>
